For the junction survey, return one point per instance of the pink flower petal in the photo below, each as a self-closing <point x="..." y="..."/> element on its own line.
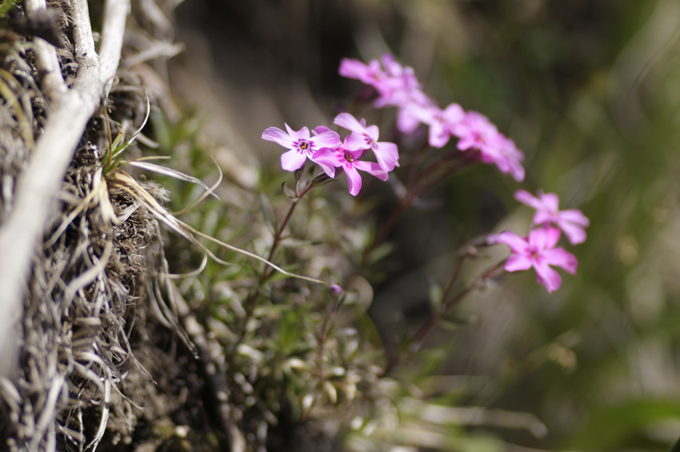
<point x="574" y="216"/>
<point x="453" y="114"/>
<point x="328" y="139"/>
<point x="517" y="171"/>
<point x="349" y="122"/>
<point x="543" y="216"/>
<point x="391" y="66"/>
<point x="373" y="132"/>
<point x="302" y="134"/>
<point x="278" y="136"/>
<point x="353" y="180"/>
<point x="438" y="136"/>
<point x="559" y="257"/>
<point x="406" y="121"/>
<point x="292" y="160"/>
<point x="373" y="169"/>
<point x="544" y="238"/>
<point x="513" y="158"/>
<point x="328" y="156"/>
<point x="551" y="201"/>
<point x="527" y="198"/>
<point x="356" y="141"/>
<point x="516" y="243"/>
<point x="575" y="233"/>
<point x="327" y="159"/>
<point x="548" y="277"/>
<point x="518" y="262"/>
<point x="387" y="155"/>
<point x="320" y="129"/>
<point x="356" y="69"/>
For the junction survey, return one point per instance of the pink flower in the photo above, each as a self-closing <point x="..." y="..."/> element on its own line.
<point x="409" y="114"/>
<point x="475" y="131"/>
<point x="402" y="86"/>
<point x="510" y="158"/>
<point x="363" y="137"/>
<point x="301" y="146"/>
<point x="538" y="251"/>
<point x="371" y="73"/>
<point x="441" y="122"/>
<point x="349" y="161"/>
<point x="571" y="221"/>
<point x="396" y="85"/>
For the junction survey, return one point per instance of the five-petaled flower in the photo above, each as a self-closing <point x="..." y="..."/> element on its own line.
<point x="537" y="250"/>
<point x="441" y="122"/>
<point x="475" y="131"/>
<point x="349" y="161"/>
<point x="363" y="137"/>
<point x="301" y="144"/>
<point x="571" y="221"/>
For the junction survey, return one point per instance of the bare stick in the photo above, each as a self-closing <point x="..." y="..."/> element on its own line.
<point x="36" y="188"/>
<point x="82" y="33"/>
<point x="52" y="82"/>
<point x="115" y="13"/>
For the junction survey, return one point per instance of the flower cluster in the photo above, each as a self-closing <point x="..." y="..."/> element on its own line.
<point x="398" y="86"/>
<point x="329" y="152"/>
<point x="478" y="139"/>
<point x="538" y="249"/>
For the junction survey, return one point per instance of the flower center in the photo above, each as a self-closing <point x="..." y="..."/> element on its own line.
<point x="370" y="142"/>
<point x="304" y="145"/>
<point x="535" y="255"/>
<point x="349" y="157"/>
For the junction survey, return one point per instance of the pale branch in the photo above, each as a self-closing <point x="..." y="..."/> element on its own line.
<point x="115" y="13"/>
<point x="82" y="33"/>
<point x="36" y="189"/>
<point x="51" y="80"/>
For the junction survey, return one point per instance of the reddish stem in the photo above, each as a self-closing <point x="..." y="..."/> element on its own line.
<point x="444" y="308"/>
<point x="456" y="165"/>
<point x="251" y="302"/>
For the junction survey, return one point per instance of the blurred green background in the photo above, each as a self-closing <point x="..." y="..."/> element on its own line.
<point x="590" y="91"/>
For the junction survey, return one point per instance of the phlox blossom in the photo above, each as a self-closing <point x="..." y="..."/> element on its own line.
<point x="510" y="158"/>
<point x="538" y="250"/>
<point x="371" y="73"/>
<point x="396" y="85"/>
<point x="571" y="221"/>
<point x="475" y="131"/>
<point x="402" y="83"/>
<point x="363" y="137"/>
<point x="441" y="122"/>
<point x="349" y="161"/>
<point x="410" y="113"/>
<point x="301" y="144"/>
